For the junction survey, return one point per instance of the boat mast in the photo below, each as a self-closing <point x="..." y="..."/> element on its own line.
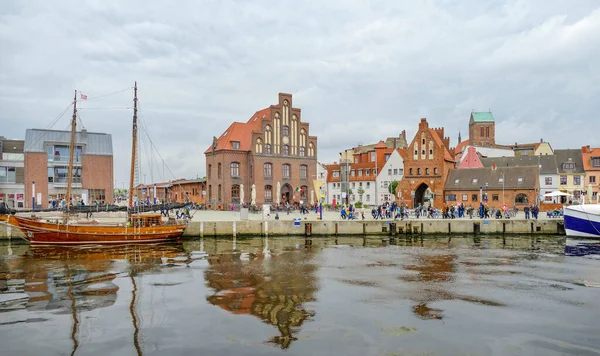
<point x="71" y="150"/>
<point x="133" y="146"/>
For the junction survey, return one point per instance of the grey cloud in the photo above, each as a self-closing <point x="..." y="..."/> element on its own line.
<point x="360" y="71"/>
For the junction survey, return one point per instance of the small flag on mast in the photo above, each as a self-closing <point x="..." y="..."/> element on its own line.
<point x="83" y="97"/>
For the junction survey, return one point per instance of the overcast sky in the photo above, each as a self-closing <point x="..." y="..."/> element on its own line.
<point x="359" y="70"/>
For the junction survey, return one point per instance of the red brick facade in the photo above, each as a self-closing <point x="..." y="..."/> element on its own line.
<point x="273" y="142"/>
<point x="427" y="161"/>
<point x="496" y="197"/>
<point x="177" y="191"/>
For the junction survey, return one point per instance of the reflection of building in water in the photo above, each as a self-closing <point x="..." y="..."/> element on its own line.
<point x="273" y="290"/>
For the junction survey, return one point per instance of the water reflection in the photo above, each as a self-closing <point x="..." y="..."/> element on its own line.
<point x="582" y="248"/>
<point x="273" y="288"/>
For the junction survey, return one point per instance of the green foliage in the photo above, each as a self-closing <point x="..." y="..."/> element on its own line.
<point x="120" y="192"/>
<point x="392" y="187"/>
<point x="358" y="204"/>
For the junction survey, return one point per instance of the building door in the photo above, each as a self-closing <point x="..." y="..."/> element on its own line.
<point x="286" y="193"/>
<point x="421" y="195"/>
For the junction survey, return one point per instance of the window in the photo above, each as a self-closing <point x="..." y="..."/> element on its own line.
<point x="219" y="171"/>
<point x="360" y="172"/>
<point x="435" y="171"/>
<point x="548" y="180"/>
<point x="592" y="179"/>
<point x="50" y="174"/>
<point x="235" y="193"/>
<point x="475" y="180"/>
<point x="303" y="171"/>
<point x="209" y="173"/>
<point x="395" y="171"/>
<point x="563" y="180"/>
<point x="549" y="199"/>
<point x="285" y="150"/>
<point x="426" y="171"/>
<point x="387" y="156"/>
<point x="487" y="131"/>
<point x="430" y="152"/>
<point x="568" y="166"/>
<point x="61" y="154"/>
<point x="473" y="197"/>
<point x="268" y="149"/>
<point x="494" y="197"/>
<point x="465" y="197"/>
<point x="209" y="191"/>
<point x="410" y="171"/>
<point x="390" y="172"/>
<point x="456" y="181"/>
<point x="219" y="194"/>
<point x="368" y="185"/>
<point x="481" y="131"/>
<point x="367" y="172"/>
<point x="520" y="180"/>
<point x="375" y="171"/>
<point x="577" y="180"/>
<point x="8" y="175"/>
<point x="595" y="161"/>
<point x="268" y="170"/>
<point x="356" y="159"/>
<point x="521" y="199"/>
<point x="451" y="197"/>
<point x="304" y="193"/>
<point x="96" y="196"/>
<point x="286" y="171"/>
<point x="259" y="145"/>
<point x="360" y="184"/>
<point x="311" y="150"/>
<point x="353" y="184"/>
<point x="61" y="174"/>
<point x="285" y="130"/>
<point x="418" y="171"/>
<point x="372" y="156"/>
<point x="335" y="174"/>
<point x="236" y="145"/>
<point x="384" y="184"/>
<point x="500" y="180"/>
<point x="368" y="197"/>
<point x="352" y="173"/>
<point x="235" y="169"/>
<point x="268" y="193"/>
<point x="302" y="151"/>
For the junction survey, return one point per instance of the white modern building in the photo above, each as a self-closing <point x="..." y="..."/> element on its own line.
<point x="393" y="170"/>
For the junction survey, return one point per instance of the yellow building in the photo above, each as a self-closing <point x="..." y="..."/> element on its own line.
<point x="571" y="173"/>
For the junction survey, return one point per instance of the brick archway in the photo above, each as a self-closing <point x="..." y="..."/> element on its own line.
<point x="420" y="194"/>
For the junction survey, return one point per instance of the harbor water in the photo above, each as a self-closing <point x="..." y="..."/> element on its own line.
<point x="292" y="296"/>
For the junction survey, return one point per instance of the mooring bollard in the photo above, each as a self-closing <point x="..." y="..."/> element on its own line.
<point x="308" y="229"/>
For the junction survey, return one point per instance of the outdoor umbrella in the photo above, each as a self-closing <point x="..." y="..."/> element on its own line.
<point x="253" y="194"/>
<point x="558" y="194"/>
<point x="241" y="194"/>
<point x="589" y="194"/>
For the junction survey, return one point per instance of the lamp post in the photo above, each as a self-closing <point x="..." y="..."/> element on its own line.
<point x="503" y="188"/>
<point x="33" y="195"/>
<point x="486" y="193"/>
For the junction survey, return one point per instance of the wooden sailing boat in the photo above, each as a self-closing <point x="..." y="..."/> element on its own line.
<point x="139" y="228"/>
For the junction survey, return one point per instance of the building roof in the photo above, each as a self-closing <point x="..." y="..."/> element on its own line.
<point x="482" y="116"/>
<point x="473" y="179"/>
<point x="470" y="159"/>
<point x="547" y="163"/>
<point x="389" y="143"/>
<point x="380" y="144"/>
<point x="587" y="153"/>
<point x="459" y="148"/>
<point x="94" y="143"/>
<point x="241" y="132"/>
<point x="569" y="156"/>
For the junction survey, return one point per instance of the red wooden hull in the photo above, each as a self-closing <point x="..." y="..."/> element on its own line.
<point x="53" y="233"/>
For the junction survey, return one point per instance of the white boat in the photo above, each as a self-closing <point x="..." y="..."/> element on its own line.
<point x="582" y="220"/>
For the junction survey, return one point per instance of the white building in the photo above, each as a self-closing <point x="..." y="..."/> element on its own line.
<point x="392" y="170"/>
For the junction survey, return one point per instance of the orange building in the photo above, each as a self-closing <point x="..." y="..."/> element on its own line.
<point x="175" y="191"/>
<point x="427" y="161"/>
<point x="591" y="165"/>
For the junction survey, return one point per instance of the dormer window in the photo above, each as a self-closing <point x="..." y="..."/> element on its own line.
<point x="475" y="180"/>
<point x="595" y="161"/>
<point x="520" y="180"/>
<point x="500" y="180"/>
<point x="568" y="166"/>
<point x="456" y="181"/>
<point x="236" y="145"/>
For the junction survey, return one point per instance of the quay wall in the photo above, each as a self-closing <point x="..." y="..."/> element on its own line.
<point x="250" y="228"/>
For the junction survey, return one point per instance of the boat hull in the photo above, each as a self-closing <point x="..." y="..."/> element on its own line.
<point x="39" y="232"/>
<point x="582" y="220"/>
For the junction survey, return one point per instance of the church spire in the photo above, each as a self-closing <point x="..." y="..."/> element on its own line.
<point x="459" y="139"/>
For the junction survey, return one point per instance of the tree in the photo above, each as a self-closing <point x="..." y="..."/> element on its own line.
<point x="360" y="192"/>
<point x="392" y="188"/>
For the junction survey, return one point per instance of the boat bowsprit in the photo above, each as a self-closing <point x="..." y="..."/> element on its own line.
<point x="583" y="220"/>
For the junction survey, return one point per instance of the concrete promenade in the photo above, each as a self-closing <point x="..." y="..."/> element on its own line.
<point x="208" y="223"/>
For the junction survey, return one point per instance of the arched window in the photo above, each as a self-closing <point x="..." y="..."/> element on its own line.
<point x="219" y="171"/>
<point x="435" y="171"/>
<point x="259" y="145"/>
<point x="285" y="150"/>
<point x="268" y="170"/>
<point x="426" y="171"/>
<point x="285" y="130"/>
<point x="268" y="148"/>
<point x="410" y="172"/>
<point x="235" y="169"/>
<point x="303" y="171"/>
<point x="235" y="193"/>
<point x="219" y="194"/>
<point x="268" y="193"/>
<point x="302" y="151"/>
<point x="304" y="193"/>
<point x="418" y="171"/>
<point x="268" y="133"/>
<point x="209" y="192"/>
<point x="286" y="170"/>
<point x="521" y="199"/>
<point x="209" y="173"/>
<point x="311" y="150"/>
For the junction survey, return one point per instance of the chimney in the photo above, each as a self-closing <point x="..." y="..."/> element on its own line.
<point x="404" y="135"/>
<point x="84" y="134"/>
<point x="541" y="140"/>
<point x="395" y="143"/>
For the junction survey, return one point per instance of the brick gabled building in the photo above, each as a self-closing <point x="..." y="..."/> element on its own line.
<point x="427" y="161"/>
<point x="273" y="147"/>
